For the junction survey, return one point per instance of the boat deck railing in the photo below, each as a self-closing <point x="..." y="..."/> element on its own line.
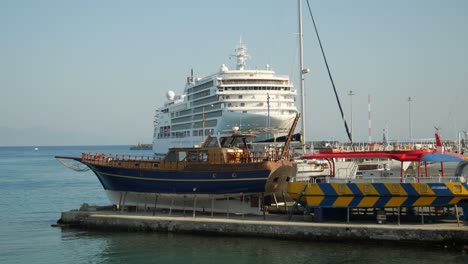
<point x="149" y="162"/>
<point x="122" y="157"/>
<point x="256" y="157"/>
<point x="379" y="146"/>
<point x="122" y="160"/>
<point x="438" y="179"/>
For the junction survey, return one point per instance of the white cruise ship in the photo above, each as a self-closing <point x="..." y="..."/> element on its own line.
<point x="259" y="101"/>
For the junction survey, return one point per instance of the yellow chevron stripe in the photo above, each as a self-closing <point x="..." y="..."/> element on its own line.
<point x="368" y="201"/>
<point x="423" y="189"/>
<point x="343" y="201"/>
<point x="313" y="189"/>
<point x="395" y="189"/>
<point x="342" y="189"/>
<point x="455" y="200"/>
<point x="367" y="189"/>
<point x="294" y="188"/>
<point x="314" y="200"/>
<point x="396" y="201"/>
<point x="424" y="201"/>
<point x="456" y="188"/>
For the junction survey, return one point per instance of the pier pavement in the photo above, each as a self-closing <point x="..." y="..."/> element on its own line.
<point x="300" y="227"/>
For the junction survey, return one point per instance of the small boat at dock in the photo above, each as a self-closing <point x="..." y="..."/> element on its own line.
<point x="333" y="194"/>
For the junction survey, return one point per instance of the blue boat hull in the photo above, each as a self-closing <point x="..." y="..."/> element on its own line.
<point x="181" y="182"/>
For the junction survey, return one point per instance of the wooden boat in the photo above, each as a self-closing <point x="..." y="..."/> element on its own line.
<point x="221" y="175"/>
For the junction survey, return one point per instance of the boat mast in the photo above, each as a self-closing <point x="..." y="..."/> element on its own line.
<point x="302" y="72"/>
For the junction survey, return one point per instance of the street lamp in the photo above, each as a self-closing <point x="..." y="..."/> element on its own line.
<point x="350" y="93"/>
<point x="409" y="99"/>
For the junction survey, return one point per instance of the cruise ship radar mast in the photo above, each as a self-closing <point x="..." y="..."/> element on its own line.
<point x="241" y="55"/>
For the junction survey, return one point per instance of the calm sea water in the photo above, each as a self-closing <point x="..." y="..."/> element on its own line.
<point x="35" y="188"/>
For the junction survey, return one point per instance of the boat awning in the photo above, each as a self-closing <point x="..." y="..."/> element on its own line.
<point x="400" y="155"/>
<point x="442" y="157"/>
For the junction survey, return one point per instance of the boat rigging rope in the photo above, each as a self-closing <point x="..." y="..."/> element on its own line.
<point x="74" y="166"/>
<point x="329" y="74"/>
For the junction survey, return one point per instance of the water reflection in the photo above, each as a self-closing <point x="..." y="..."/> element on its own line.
<point x="182" y="248"/>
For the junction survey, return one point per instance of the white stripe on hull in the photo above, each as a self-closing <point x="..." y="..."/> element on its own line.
<point x="241" y="204"/>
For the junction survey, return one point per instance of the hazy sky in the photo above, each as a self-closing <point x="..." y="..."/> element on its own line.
<point x="93" y="72"/>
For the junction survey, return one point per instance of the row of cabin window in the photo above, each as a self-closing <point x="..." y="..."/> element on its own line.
<point x="188" y="156"/>
<point x="255" y="88"/>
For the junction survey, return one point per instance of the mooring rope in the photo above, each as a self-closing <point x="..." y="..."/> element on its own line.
<point x="330" y="76"/>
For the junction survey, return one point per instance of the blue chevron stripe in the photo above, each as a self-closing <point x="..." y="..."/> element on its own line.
<point x="441" y="201"/>
<point x="409" y="189"/>
<point x="356" y="200"/>
<point x="410" y="201"/>
<point x="327" y="189"/>
<point x="381" y="189"/>
<point x="383" y="200"/>
<point x="328" y="201"/>
<point x="440" y="189"/>
<point x="353" y="187"/>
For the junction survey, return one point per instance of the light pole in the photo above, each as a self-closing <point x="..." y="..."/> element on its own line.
<point x="302" y="73"/>
<point x="350" y="93"/>
<point x="459" y="140"/>
<point x="203" y="123"/>
<point x="268" y="111"/>
<point x="409" y="99"/>
<point x="203" y="126"/>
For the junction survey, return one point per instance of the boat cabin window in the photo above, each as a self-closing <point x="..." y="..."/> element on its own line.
<point x="188" y="156"/>
<point x="211" y="142"/>
<point x="229" y="142"/>
<point x="192" y="156"/>
<point x="171" y="156"/>
<point x="225" y="142"/>
<point x="204" y="156"/>
<point x="182" y="155"/>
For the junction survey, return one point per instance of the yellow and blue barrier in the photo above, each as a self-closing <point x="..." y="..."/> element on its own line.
<point x="377" y="195"/>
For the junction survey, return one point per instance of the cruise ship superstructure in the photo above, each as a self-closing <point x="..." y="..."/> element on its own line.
<point x="258" y="101"/>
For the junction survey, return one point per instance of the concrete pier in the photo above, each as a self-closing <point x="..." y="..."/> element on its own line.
<point x="452" y="234"/>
